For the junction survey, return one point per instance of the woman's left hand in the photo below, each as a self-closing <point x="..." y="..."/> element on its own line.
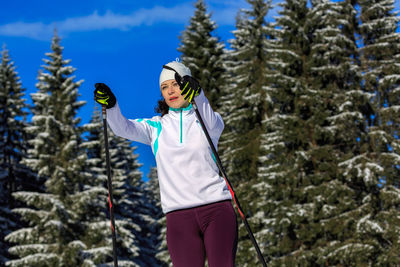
<point x="189" y="86"/>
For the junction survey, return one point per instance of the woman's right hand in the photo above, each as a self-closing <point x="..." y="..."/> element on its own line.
<point x="104" y="96"/>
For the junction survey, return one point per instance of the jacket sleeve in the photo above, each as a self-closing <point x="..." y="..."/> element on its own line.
<point x="212" y="120"/>
<point x="136" y="130"/>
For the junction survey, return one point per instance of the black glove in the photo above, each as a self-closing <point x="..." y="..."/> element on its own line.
<point x="104" y="96"/>
<point x="189" y="86"/>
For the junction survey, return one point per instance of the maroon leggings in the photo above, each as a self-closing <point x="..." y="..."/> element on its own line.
<point x="205" y="230"/>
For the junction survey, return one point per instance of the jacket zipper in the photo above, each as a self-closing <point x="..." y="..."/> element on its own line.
<point x="181" y="127"/>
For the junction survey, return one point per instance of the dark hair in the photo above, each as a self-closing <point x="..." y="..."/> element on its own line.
<point x="162" y="107"/>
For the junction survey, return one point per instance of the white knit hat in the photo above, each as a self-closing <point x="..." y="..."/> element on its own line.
<point x="167" y="74"/>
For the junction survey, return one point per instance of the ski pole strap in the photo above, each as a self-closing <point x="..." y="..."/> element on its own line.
<point x="103" y="109"/>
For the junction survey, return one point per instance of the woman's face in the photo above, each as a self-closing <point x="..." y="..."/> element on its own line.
<point x="172" y="94"/>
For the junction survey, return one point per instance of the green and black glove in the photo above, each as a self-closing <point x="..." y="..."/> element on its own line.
<point x="189" y="86"/>
<point x="104" y="96"/>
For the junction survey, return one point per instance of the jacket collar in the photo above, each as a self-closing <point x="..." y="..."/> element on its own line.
<point x="177" y="111"/>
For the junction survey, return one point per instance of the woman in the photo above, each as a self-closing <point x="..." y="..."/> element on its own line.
<point x="200" y="217"/>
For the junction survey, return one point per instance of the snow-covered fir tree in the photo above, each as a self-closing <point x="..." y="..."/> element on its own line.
<point x="377" y="169"/>
<point x="202" y="52"/>
<point x="279" y="143"/>
<point x="55" y="226"/>
<point x="12" y="123"/>
<point x="98" y="226"/>
<point x="311" y="208"/>
<point x="331" y="121"/>
<point x="243" y="106"/>
<point x="13" y="175"/>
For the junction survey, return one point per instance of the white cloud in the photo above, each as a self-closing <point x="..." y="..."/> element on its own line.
<point x="36" y="30"/>
<point x="95" y="21"/>
<point x="223" y="12"/>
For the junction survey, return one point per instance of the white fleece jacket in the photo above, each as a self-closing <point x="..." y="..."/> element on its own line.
<point x="187" y="172"/>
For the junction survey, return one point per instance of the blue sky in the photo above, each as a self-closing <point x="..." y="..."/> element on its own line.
<point x="123" y="43"/>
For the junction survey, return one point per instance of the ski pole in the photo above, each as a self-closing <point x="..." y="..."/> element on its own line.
<point x="110" y="195"/>
<point x="235" y="199"/>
